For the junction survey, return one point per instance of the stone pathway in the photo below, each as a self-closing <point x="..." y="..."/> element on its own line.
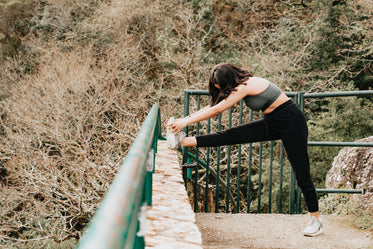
<point x="236" y="231"/>
<point x="170" y="220"/>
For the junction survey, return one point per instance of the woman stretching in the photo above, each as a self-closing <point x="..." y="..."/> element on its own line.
<point x="283" y="119"/>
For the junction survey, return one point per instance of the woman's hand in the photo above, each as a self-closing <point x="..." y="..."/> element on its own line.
<point x="177" y="125"/>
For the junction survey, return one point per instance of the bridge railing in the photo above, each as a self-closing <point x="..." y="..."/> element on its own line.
<point x="197" y="162"/>
<point x="116" y="222"/>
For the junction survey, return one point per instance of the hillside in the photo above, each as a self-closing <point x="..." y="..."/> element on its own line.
<point x="78" y="78"/>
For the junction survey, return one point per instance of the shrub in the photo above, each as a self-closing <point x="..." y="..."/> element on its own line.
<point x="14" y="25"/>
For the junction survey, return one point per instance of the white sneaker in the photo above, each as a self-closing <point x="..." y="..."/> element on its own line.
<point x="174" y="140"/>
<point x="313" y="228"/>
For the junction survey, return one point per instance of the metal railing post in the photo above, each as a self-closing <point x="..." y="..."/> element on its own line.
<point x="281" y="176"/>
<point x="228" y="167"/>
<point x="239" y="163"/>
<point x="299" y="192"/>
<point x="249" y="170"/>
<point x="195" y="186"/>
<point x="207" y="169"/>
<point x="186" y="113"/>
<point x="217" y="170"/>
<point x="292" y="175"/>
<point x="270" y="178"/>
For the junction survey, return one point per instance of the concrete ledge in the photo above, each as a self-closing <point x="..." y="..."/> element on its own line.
<point x="170" y="222"/>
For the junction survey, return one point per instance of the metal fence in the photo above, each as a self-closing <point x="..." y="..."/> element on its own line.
<point x="212" y="185"/>
<point x="116" y="222"/>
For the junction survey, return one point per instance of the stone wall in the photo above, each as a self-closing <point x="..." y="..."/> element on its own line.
<point x="352" y="168"/>
<point x="170" y="221"/>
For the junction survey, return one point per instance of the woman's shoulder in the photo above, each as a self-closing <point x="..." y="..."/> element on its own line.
<point x="255" y="85"/>
<point x="256" y="79"/>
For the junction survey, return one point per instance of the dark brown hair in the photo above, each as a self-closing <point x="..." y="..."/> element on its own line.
<point x="228" y="77"/>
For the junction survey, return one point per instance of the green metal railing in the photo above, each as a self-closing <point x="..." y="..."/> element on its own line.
<point x="116" y="222"/>
<point x="195" y="163"/>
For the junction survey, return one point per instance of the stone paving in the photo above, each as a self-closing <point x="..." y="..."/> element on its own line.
<point x="236" y="231"/>
<point x="171" y="222"/>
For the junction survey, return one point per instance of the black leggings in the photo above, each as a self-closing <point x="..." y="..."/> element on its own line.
<point x="286" y="122"/>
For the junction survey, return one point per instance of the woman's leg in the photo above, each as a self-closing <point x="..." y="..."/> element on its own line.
<point x="295" y="144"/>
<point x="189" y="142"/>
<point x="254" y="131"/>
<point x="315" y="214"/>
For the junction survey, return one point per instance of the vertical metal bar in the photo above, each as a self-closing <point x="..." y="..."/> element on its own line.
<point x="198" y="108"/>
<point x="149" y="173"/>
<point x="292" y="192"/>
<point x="207" y="180"/>
<point x="195" y="187"/>
<point x="149" y="187"/>
<point x="228" y="166"/>
<point x="292" y="177"/>
<point x="196" y="169"/>
<point x="207" y="169"/>
<point x="186" y="158"/>
<point x="299" y="192"/>
<point x="217" y="170"/>
<point x="157" y="132"/>
<point x="149" y="178"/>
<point x="260" y="175"/>
<point x="139" y="241"/>
<point x="281" y="176"/>
<point x="301" y="100"/>
<point x="270" y="179"/>
<point x="249" y="170"/>
<point x="239" y="163"/>
<point x="189" y="170"/>
<point x="186" y="113"/>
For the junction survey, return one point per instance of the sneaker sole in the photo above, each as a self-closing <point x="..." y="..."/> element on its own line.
<point x="313" y="234"/>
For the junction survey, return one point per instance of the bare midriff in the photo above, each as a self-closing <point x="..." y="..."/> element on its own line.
<point x="279" y="101"/>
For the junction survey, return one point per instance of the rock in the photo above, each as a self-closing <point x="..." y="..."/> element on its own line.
<point x="352" y="168"/>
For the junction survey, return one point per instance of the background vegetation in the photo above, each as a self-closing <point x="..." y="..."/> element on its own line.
<point x="78" y="78"/>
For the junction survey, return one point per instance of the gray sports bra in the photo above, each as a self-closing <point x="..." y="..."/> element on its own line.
<point x="264" y="99"/>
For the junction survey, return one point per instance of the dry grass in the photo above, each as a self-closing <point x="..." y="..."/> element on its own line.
<point x="66" y="132"/>
<point x="72" y="104"/>
<point x="67" y="126"/>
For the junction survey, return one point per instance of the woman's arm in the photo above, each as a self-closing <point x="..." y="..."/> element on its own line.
<point x="199" y="111"/>
<point x="210" y="111"/>
<point x="195" y="113"/>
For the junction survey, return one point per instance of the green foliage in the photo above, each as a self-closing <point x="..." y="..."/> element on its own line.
<point x="342" y="119"/>
<point x="359" y="207"/>
<point x="341" y="42"/>
<point x="345" y="119"/>
<point x="329" y="39"/>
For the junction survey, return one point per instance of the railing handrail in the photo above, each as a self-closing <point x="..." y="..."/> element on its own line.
<point x="115" y="223"/>
<point x="206" y="92"/>
<point x="338" y="94"/>
<point x="306" y="94"/>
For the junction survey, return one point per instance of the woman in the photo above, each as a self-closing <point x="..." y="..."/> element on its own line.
<point x="283" y="119"/>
